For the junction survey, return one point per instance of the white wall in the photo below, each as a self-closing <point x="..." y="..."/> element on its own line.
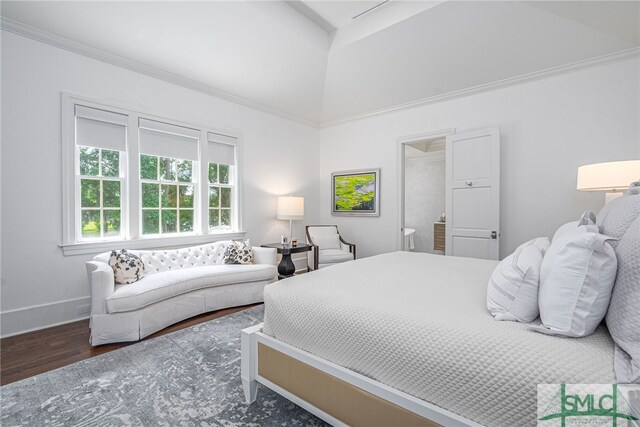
<point x="424" y="202"/>
<point x="455" y="46"/>
<point x="40" y="286"/>
<point x="548" y="128"/>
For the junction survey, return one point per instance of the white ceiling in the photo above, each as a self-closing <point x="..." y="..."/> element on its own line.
<point x="425" y="148"/>
<point x="617" y="18"/>
<point x="341" y="13"/>
<point x="460" y="45"/>
<point x="314" y="62"/>
<point x="256" y="51"/>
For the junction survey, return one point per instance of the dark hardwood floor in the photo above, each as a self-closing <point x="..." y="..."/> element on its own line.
<point x="23" y="356"/>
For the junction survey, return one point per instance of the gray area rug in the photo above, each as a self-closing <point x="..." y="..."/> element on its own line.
<point x="187" y="378"/>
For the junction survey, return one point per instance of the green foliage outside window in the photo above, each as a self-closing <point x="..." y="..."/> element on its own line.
<point x="100" y="192"/>
<point x="219" y="197"/>
<point x="167" y="203"/>
<point x="148" y="167"/>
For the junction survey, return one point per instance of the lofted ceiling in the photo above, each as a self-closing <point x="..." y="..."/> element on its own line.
<point x="312" y="61"/>
<point x="341" y="13"/>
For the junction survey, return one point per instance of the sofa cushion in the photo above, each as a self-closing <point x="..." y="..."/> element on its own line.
<point x="329" y="256"/>
<point x="158" y="287"/>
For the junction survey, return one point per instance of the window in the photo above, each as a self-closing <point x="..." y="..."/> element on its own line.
<point x="100" y="141"/>
<point x="219" y="197"/>
<point x="100" y="192"/>
<point x="168" y="154"/>
<point x="167" y="195"/>
<point x="221" y="154"/>
<point x="135" y="176"/>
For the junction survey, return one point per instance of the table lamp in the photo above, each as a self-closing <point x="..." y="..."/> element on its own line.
<point x="612" y="177"/>
<point x="290" y="208"/>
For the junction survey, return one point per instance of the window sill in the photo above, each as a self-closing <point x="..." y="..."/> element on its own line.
<point x="84" y="248"/>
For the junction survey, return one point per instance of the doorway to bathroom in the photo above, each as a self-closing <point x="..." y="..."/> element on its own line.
<point x="424" y="190"/>
<point x="449" y="193"/>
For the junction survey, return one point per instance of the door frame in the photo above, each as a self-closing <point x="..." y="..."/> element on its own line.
<point x="402" y="142"/>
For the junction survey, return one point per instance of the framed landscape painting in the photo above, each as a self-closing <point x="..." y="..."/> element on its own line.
<point x="356" y="192"/>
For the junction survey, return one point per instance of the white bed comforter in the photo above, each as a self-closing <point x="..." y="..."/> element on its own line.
<point x="419" y="323"/>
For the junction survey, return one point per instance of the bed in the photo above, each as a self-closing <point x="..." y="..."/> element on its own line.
<point x="405" y="339"/>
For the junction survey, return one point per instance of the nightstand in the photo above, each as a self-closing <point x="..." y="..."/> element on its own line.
<point x="286" y="268"/>
<point x="439" y="235"/>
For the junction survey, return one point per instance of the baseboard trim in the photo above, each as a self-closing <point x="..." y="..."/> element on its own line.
<point x="33" y="318"/>
<point x="39" y="328"/>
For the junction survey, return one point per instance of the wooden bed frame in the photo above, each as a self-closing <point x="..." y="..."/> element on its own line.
<point x="331" y="392"/>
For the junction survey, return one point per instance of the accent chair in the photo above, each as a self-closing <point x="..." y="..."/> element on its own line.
<point x="329" y="247"/>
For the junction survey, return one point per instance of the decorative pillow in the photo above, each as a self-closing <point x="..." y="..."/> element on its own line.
<point x="620" y="218"/>
<point x="512" y="293"/>
<point x="238" y="253"/>
<point x="127" y="267"/>
<point x="587" y="218"/>
<point x="576" y="279"/>
<point x="541" y="243"/>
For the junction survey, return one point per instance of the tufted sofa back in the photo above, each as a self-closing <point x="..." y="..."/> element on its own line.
<point x="156" y="261"/>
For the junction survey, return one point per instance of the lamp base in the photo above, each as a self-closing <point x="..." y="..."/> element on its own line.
<point x="290" y="231"/>
<point x="612" y="195"/>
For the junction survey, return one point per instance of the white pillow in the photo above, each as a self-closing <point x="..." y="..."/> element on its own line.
<point x="541" y="243"/>
<point x="587" y="218"/>
<point x="512" y="293"/>
<point x="576" y="279"/>
<point x="621" y="219"/>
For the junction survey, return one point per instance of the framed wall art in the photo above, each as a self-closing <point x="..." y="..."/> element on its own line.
<point x="356" y="193"/>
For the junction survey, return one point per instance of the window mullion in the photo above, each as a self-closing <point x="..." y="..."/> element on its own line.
<point x="101" y="197"/>
<point x="132" y="212"/>
<point x="201" y="205"/>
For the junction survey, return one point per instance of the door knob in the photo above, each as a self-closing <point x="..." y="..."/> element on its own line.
<point x="494" y="234"/>
<point x="469" y="183"/>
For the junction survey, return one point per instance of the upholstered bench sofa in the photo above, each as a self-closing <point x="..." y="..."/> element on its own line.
<point x="179" y="283"/>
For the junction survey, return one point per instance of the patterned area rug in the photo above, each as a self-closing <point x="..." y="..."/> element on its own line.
<point x="189" y="377"/>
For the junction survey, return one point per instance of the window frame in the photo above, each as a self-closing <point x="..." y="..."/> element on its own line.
<point x="121" y="178"/>
<point x="131" y="201"/>
<point x="220" y="186"/>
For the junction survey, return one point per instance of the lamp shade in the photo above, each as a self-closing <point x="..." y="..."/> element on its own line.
<point x="608" y="176"/>
<point x="291" y="208"/>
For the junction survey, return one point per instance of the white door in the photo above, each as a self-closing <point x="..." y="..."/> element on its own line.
<point x="473" y="194"/>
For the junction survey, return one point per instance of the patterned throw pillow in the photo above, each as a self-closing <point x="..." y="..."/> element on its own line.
<point x="127" y="267"/>
<point x="238" y="253"/>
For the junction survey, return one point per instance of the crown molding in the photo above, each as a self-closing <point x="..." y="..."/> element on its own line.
<point x="21" y="29"/>
<point x="623" y="55"/>
<point x="37" y="34"/>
